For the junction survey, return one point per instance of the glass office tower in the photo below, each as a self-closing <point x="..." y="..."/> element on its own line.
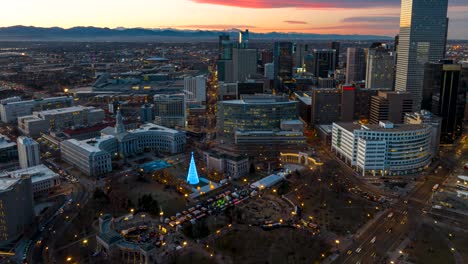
<point x="423" y="35"/>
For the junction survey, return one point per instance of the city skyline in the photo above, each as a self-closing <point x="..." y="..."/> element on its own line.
<point x="305" y="16"/>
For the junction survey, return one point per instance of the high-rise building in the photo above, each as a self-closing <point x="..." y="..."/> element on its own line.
<point x="244" y="63"/>
<point x="380" y="68"/>
<point x="444" y="94"/>
<point x="195" y="88"/>
<point x="8" y="149"/>
<point x="323" y="63"/>
<point x="355" y="65"/>
<point x="283" y="60"/>
<point x="269" y="71"/>
<point x="301" y="50"/>
<point x="28" y="152"/>
<point x="244" y="39"/>
<point x="390" y="106"/>
<point x="169" y="110"/>
<point x="266" y="57"/>
<point x="422" y="39"/>
<point x="336" y="46"/>
<point x="224" y="47"/>
<point x="147" y="113"/>
<point x="356" y="103"/>
<point x="326" y="106"/>
<point x="16" y="208"/>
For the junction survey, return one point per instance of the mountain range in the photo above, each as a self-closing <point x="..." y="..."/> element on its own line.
<point x="29" y="33"/>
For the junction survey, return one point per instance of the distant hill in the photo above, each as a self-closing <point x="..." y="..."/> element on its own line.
<point x="24" y="33"/>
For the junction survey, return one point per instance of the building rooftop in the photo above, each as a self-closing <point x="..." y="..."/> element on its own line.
<point x="38" y="173"/>
<point x="153" y="127"/>
<point x="49" y="99"/>
<point x="90" y="145"/>
<point x="6" y="183"/>
<point x="378" y="128"/>
<point x="5" y="142"/>
<point x="67" y="110"/>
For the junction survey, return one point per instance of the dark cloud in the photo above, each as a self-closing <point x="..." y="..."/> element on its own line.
<point x="295" y="22"/>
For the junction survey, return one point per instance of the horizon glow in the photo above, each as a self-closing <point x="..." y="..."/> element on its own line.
<point x="365" y="17"/>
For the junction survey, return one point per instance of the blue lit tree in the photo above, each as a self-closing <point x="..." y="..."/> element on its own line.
<point x="192" y="176"/>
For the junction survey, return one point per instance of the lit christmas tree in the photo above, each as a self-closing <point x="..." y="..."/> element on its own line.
<point x="192" y="176"/>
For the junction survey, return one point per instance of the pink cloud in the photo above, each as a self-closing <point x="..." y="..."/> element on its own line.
<point x="295" y="22"/>
<point x="301" y="3"/>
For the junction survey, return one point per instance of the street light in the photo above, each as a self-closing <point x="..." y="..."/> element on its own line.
<point x="69" y="259"/>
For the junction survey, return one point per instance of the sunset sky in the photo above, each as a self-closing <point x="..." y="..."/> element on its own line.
<point x="379" y="17"/>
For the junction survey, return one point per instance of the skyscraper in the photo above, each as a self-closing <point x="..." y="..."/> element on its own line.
<point x="445" y="96"/>
<point x="195" y="88"/>
<point x="422" y="38"/>
<point x="300" y="52"/>
<point x="224" y="47"/>
<point x="323" y="62"/>
<point x="244" y="63"/>
<point x="147" y="113"/>
<point x="380" y="67"/>
<point x="244" y="39"/>
<point x="169" y="110"/>
<point x="283" y="60"/>
<point x="336" y="46"/>
<point x="355" y="65"/>
<point x="28" y="152"/>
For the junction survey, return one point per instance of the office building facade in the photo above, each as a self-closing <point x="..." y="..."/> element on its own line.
<point x="169" y="110"/>
<point x="10" y="110"/>
<point x="244" y="63"/>
<point x="323" y="63"/>
<point x="255" y="113"/>
<point x="427" y="118"/>
<point x="59" y="119"/>
<point x="8" y="149"/>
<point x="147" y="113"/>
<point x="444" y="94"/>
<point x="422" y="39"/>
<point x="383" y="149"/>
<point x="231" y="165"/>
<point x="283" y="53"/>
<point x="380" y="68"/>
<point x="28" y="152"/>
<point x="390" y="106"/>
<point x="195" y="88"/>
<point x="336" y="46"/>
<point x="355" y="65"/>
<point x="325" y="106"/>
<point x="16" y="208"/>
